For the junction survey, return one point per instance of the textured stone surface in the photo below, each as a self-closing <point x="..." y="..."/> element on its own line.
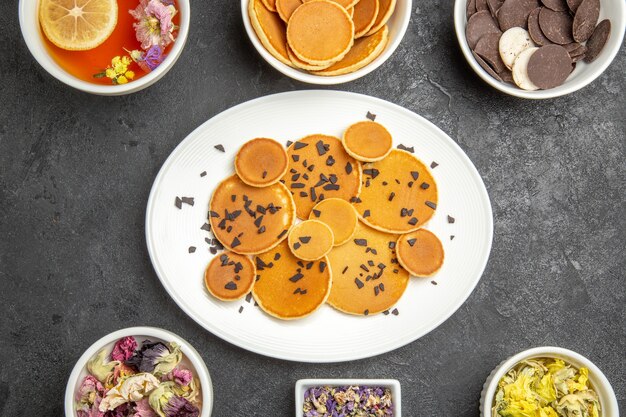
<point x="75" y="172"/>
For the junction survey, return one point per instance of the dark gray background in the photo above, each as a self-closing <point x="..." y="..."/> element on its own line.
<point x="76" y="170"/>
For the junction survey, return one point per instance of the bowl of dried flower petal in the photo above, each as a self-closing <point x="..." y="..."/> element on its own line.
<point x="140" y="372"/>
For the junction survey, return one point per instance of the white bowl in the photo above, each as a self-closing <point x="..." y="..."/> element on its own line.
<point x="398" y="23"/>
<point x="191" y="360"/>
<point x="34" y="38"/>
<point x="601" y="385"/>
<point x="614" y="10"/>
<point x="394" y="385"/>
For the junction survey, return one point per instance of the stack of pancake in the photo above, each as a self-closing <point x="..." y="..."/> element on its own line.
<point x="362" y="207"/>
<point x="324" y="37"/>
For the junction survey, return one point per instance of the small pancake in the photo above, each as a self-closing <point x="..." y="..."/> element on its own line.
<point x="399" y="194"/>
<point x="339" y="215"/>
<point x="229" y="276"/>
<point x="250" y="220"/>
<point x="346" y="4"/>
<point x="270" y="5"/>
<point x="287" y="287"/>
<point x="365" y="13"/>
<point x="385" y="10"/>
<point x="367" y="278"/>
<point x="297" y="62"/>
<point x="261" y="162"/>
<point x="320" y="32"/>
<point x="420" y="253"/>
<point x="364" y="51"/>
<point x="270" y="29"/>
<point x="319" y="168"/>
<point x="285" y="8"/>
<point x="310" y="240"/>
<point x="367" y="141"/>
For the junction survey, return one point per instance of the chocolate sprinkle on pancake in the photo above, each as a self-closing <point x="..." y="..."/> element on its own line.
<point x="235" y="224"/>
<point x="480" y="24"/>
<point x="420" y="252"/>
<point x="346" y="184"/>
<point x="339" y="215"/>
<point x="392" y="216"/>
<point x="311" y="240"/>
<point x="275" y="289"/>
<point x="598" y="39"/>
<point x="261" y="162"/>
<point x="556" y="26"/>
<point x="353" y="293"/>
<point x="585" y="20"/>
<point x="549" y="66"/>
<point x="229" y="276"/>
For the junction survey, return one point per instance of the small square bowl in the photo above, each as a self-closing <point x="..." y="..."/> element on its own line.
<point x="393" y="384"/>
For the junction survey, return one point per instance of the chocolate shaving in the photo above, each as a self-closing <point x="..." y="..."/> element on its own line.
<point x="264" y="174"/>
<point x="376" y="290"/>
<point x="370" y="116"/>
<point x="261" y="229"/>
<point x="258" y="221"/>
<point x="178" y="203"/>
<point x="203" y="174"/>
<point x="289" y="143"/>
<point x="358" y="283"/>
<point x="392" y="245"/>
<point x="424" y="186"/>
<point x="206" y="227"/>
<point x="366" y="213"/>
<point x="451" y="219"/>
<point x="295" y="158"/>
<point x="434" y="164"/>
<point x="431" y="205"/>
<point x="231" y="286"/>
<point x="297" y="277"/>
<point x="391" y="196"/>
<point x="413" y="221"/>
<point x="411" y="242"/>
<point x="344" y="270"/>
<point x="304" y="239"/>
<point x="220" y="148"/>
<point x="192" y="249"/>
<point x="283" y="233"/>
<point x="330" y="161"/>
<point x="406" y="148"/>
<point x="322" y="266"/>
<point x="235" y="243"/>
<point x="240" y="309"/>
<point x="373" y="172"/>
<point x="451" y="237"/>
<point x="331" y="187"/>
<point x="296" y="246"/>
<point x="366" y="312"/>
<point x="395" y="312"/>
<point x="248" y="297"/>
<point x="297" y="185"/>
<point x="300" y="145"/>
<point x="313" y="194"/>
<point x="386" y="312"/>
<point x="348" y="168"/>
<point x="316" y="212"/>
<point x="319" y="145"/>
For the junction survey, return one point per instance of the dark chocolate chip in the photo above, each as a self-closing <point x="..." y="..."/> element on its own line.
<point x="372" y="172"/>
<point x="424" y="186"/>
<point x="370" y="116"/>
<point x="413" y="221"/>
<point x="203" y="174"/>
<point x="348" y="168"/>
<point x="305" y="239"/>
<point x="322" y="267"/>
<point x="206" y="227"/>
<point x="240" y="309"/>
<point x="178" y="203"/>
<point x="360" y="242"/>
<point x="192" y="249"/>
<point x="366" y="213"/>
<point x="316" y="213"/>
<point x="295" y="158"/>
<point x="395" y="312"/>
<point x="391" y="196"/>
<point x="230" y="285"/>
<point x="220" y="148"/>
<point x="431" y="205"/>
<point x="366" y="312"/>
<point x="330" y="161"/>
<point x="297" y="277"/>
<point x="411" y="242"/>
<point x="434" y="165"/>
<point x="358" y="283"/>
<point x="261" y="229"/>
<point x="235" y="243"/>
<point x="296" y="245"/>
<point x="319" y="145"/>
<point x="406" y="148"/>
<point x="300" y="145"/>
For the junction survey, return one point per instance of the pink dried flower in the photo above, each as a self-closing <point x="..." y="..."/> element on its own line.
<point x="181" y="376"/>
<point x="154" y="23"/>
<point x="143" y="409"/>
<point x="124" y="349"/>
<point x="88" y="397"/>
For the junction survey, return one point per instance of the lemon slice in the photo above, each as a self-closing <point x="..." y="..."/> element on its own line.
<point x="78" y="25"/>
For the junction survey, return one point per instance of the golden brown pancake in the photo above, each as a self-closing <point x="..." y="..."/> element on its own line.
<point x="286" y="7"/>
<point x="367" y="278"/>
<point x="261" y="162"/>
<point x="229" y="276"/>
<point x="319" y="168"/>
<point x="298" y="63"/>
<point x="420" y="252"/>
<point x="385" y="10"/>
<point x="350" y="11"/>
<point x="310" y="240"/>
<point x="320" y="32"/>
<point x="250" y="220"/>
<point x="365" y="13"/>
<point x="399" y="194"/>
<point x="339" y="215"/>
<point x="270" y="29"/>
<point x="367" y="141"/>
<point x="346" y="4"/>
<point x="270" y="5"/>
<point x="364" y="51"/>
<point x="287" y="287"/>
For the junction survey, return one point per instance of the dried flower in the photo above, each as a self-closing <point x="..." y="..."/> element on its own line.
<point x="143" y="409"/>
<point x="149" y="59"/>
<point x="181" y="376"/>
<point x="118" y="71"/>
<point x="124" y="349"/>
<point x="154" y="23"/>
<point x="347" y="402"/>
<point x="88" y="397"/>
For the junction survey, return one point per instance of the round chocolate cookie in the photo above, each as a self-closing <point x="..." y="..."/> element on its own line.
<point x="585" y="20"/>
<point x="534" y="30"/>
<point x="556" y="5"/>
<point x="487" y="47"/>
<point x="556" y="26"/>
<point x="480" y="24"/>
<point x="597" y="40"/>
<point x="515" y="13"/>
<point x="549" y="66"/>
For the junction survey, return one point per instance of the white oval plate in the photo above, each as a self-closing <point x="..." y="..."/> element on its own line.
<point x="327" y="335"/>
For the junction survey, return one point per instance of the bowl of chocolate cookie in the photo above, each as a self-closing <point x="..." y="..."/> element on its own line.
<point x="539" y="49"/>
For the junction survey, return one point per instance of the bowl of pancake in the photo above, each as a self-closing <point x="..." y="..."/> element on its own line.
<point x="326" y="41"/>
<point x="323" y="220"/>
